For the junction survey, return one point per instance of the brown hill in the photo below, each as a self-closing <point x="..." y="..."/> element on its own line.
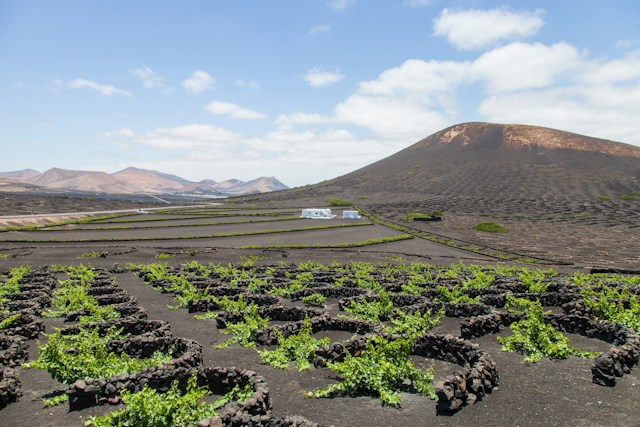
<point x="137" y="180"/>
<point x="92" y="182"/>
<point x="563" y="195"/>
<point x="474" y="160"/>
<point x="130" y="181"/>
<point x="20" y="175"/>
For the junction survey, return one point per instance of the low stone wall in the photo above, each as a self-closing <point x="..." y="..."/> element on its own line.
<point x="13" y="350"/>
<point x="274" y="312"/>
<point x="330" y="292"/>
<point x="129" y="325"/>
<point x="269" y="335"/>
<point x="187" y="355"/>
<point x="450" y="309"/>
<point x="203" y="305"/>
<point x="26" y="325"/>
<point x="556" y="299"/>
<point x="478" y="377"/>
<point x="619" y="360"/>
<point x="10" y="387"/>
<point x="485" y="324"/>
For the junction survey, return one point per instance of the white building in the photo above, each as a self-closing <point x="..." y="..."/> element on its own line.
<point x="351" y="215"/>
<point x="317" y="213"/>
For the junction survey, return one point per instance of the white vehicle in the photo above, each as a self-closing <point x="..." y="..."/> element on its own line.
<point x="317" y="213"/>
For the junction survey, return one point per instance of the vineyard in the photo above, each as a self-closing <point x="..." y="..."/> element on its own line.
<point x="259" y="342"/>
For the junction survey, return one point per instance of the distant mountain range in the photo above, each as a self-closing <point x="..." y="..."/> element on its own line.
<point x="131" y="181"/>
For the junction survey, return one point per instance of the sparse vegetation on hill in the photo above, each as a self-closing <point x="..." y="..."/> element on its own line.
<point x="490" y="227"/>
<point x="332" y="201"/>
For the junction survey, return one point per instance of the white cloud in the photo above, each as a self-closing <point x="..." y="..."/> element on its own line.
<point x="250" y="84"/>
<point x="418" y="3"/>
<point x="340" y="5"/>
<point x="302" y="119"/>
<point x="149" y="78"/>
<point x="120" y="133"/>
<point x="233" y="110"/>
<point x="199" y="81"/>
<point x="406" y="102"/>
<point x="598" y="98"/>
<point x="189" y="137"/>
<point x="316" y="77"/>
<point x="475" y="29"/>
<point x="524" y="66"/>
<point x="106" y="90"/>
<point x="319" y="29"/>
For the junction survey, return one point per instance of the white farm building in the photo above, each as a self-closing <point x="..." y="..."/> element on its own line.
<point x="351" y="215"/>
<point x="317" y="213"/>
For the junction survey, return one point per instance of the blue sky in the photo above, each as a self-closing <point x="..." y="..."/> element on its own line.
<point x="304" y="90"/>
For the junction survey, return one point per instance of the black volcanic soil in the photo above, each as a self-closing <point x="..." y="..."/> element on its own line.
<point x="549" y="393"/>
<point x="562" y="195"/>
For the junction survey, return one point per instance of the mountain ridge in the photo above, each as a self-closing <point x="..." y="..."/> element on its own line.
<point x="134" y="180"/>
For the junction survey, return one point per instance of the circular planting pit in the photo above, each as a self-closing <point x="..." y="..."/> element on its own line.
<point x="620" y="359"/>
<point x="187" y="354"/>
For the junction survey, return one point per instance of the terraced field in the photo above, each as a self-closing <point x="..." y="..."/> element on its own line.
<point x="219" y="293"/>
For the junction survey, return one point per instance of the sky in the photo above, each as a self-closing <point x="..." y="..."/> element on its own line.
<point x="303" y="90"/>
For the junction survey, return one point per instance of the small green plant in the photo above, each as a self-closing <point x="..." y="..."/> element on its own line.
<point x="615" y="305"/>
<point x="413" y="323"/>
<point x="244" y="331"/>
<point x="490" y="227"/>
<point x="363" y="197"/>
<point x="8" y="321"/>
<point x="604" y="198"/>
<point x="5" y="256"/>
<point x="455" y="295"/>
<point x="299" y="348"/>
<point x="377" y="310"/>
<point x="381" y="370"/>
<point x="534" y="337"/>
<point x="95" y="254"/>
<point x="55" y="401"/>
<point x="150" y="408"/>
<point x="90" y="357"/>
<point x="332" y="201"/>
<point x="164" y="255"/>
<point x="628" y="197"/>
<point x="416" y="216"/>
<point x="315" y="299"/>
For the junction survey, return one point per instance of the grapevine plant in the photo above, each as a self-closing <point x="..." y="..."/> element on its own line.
<point x="298" y="348"/>
<point x="68" y="358"/>
<point x="150" y="408"/>
<point x="381" y="370"/>
<point x="377" y="310"/>
<point x="534" y="337"/>
<point x="615" y="305"/>
<point x="413" y="324"/>
<point x="244" y="331"/>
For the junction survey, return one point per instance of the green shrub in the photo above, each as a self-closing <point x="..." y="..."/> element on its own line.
<point x="626" y="197"/>
<point x="381" y="370"/>
<point x="315" y="298"/>
<point x="332" y="201"/>
<point x="604" y="198"/>
<point x="534" y="337"/>
<point x="150" y="408"/>
<point x="490" y="227"/>
<point x="298" y="348"/>
<point x="415" y="215"/>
